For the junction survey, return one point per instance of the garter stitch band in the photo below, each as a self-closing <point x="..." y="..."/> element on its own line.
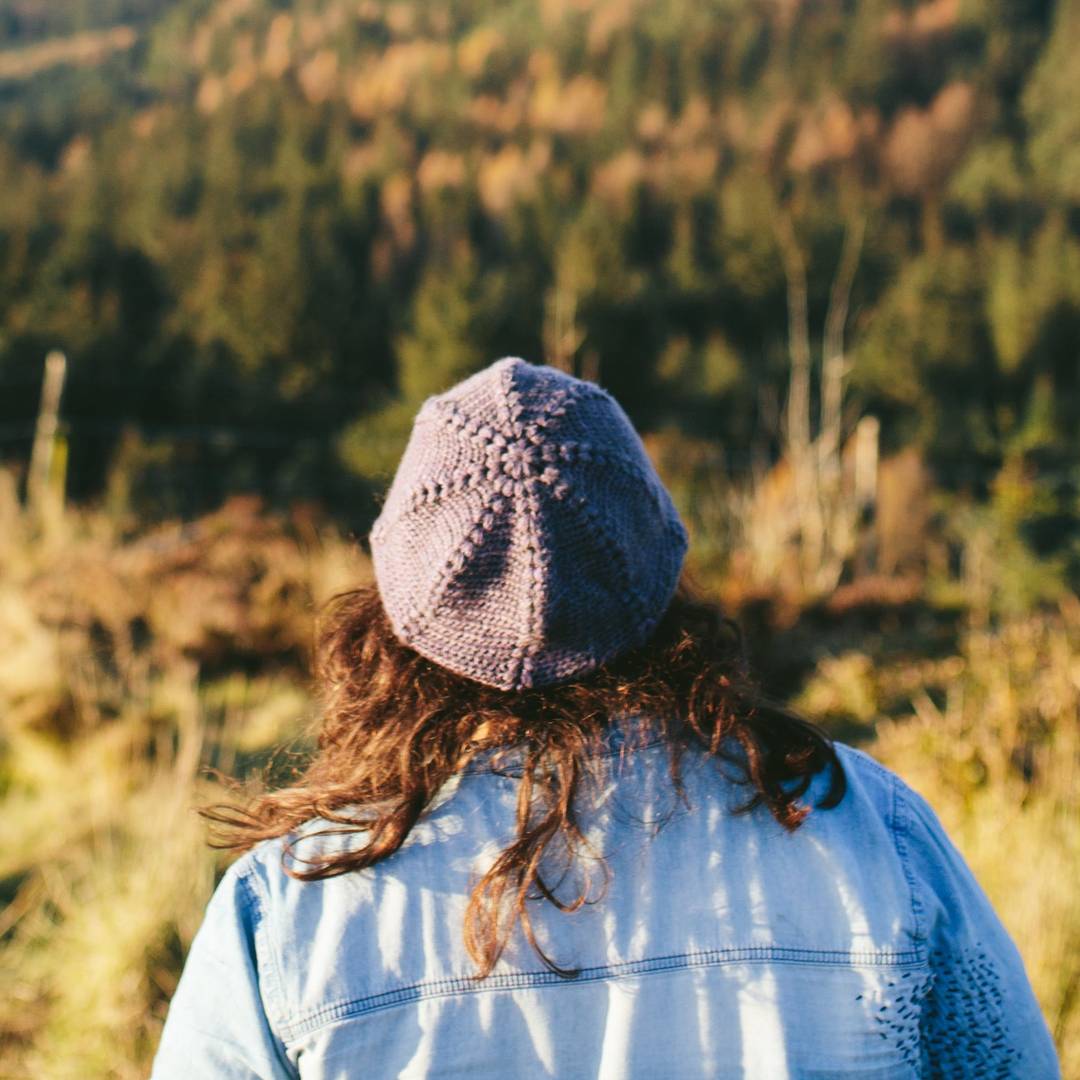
<point x="526" y="538"/>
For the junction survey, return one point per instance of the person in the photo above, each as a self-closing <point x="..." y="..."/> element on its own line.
<point x="551" y="828"/>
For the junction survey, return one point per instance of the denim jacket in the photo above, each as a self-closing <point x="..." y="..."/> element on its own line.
<point x="859" y="945"/>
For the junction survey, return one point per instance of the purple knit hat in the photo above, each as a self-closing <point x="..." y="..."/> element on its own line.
<point x="526" y="538"/>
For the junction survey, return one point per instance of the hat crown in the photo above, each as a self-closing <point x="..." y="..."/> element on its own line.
<point x="526" y="538"/>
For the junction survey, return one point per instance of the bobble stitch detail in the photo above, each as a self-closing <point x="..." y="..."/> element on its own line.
<point x="498" y="444"/>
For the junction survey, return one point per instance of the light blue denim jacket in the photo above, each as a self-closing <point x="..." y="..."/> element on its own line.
<point x="858" y="946"/>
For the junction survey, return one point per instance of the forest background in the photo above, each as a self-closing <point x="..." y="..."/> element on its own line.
<point x="826" y="254"/>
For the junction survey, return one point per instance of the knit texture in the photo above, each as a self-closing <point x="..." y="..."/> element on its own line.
<point x="526" y="538"/>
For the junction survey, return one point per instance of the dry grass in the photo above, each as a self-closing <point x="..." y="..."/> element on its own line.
<point x="129" y="665"/>
<point x="127" y="668"/>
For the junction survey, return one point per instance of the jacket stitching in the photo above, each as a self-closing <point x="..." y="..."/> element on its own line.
<point x="898" y="822"/>
<point x="654" y="965"/>
<point x="900" y="830"/>
<point x="270" y="979"/>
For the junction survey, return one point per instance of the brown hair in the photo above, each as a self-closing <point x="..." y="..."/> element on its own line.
<point x="396" y="727"/>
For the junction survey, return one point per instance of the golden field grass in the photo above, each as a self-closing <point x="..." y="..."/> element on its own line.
<point x="134" y="667"/>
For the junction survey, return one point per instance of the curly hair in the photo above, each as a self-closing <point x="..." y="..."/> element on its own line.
<point x="396" y="727"/>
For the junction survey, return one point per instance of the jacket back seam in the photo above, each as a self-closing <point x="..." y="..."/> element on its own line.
<point x="525" y="980"/>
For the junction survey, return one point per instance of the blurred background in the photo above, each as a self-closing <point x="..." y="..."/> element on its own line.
<point x="826" y="254"/>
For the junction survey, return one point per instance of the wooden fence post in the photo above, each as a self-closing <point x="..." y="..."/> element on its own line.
<point x="867" y="437"/>
<point x="44" y="491"/>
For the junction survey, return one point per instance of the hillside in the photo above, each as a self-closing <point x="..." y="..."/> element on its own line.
<point x="301" y="218"/>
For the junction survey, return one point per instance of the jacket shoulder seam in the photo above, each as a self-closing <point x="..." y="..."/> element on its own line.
<point x="900" y="821"/>
<point x="270" y="981"/>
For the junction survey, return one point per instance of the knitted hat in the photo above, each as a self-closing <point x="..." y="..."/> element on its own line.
<point x="526" y="538"/>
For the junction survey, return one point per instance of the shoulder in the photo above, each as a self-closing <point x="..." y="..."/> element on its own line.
<point x="220" y="1019"/>
<point x="907" y="810"/>
<point x="261" y="898"/>
<point x="920" y="837"/>
<point x="265" y="877"/>
<point x="910" y="814"/>
<point x="866" y="770"/>
<point x="980" y="1006"/>
<point x="258" y="864"/>
<point x="250" y="880"/>
<point x="870" y="788"/>
<point x="946" y="897"/>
